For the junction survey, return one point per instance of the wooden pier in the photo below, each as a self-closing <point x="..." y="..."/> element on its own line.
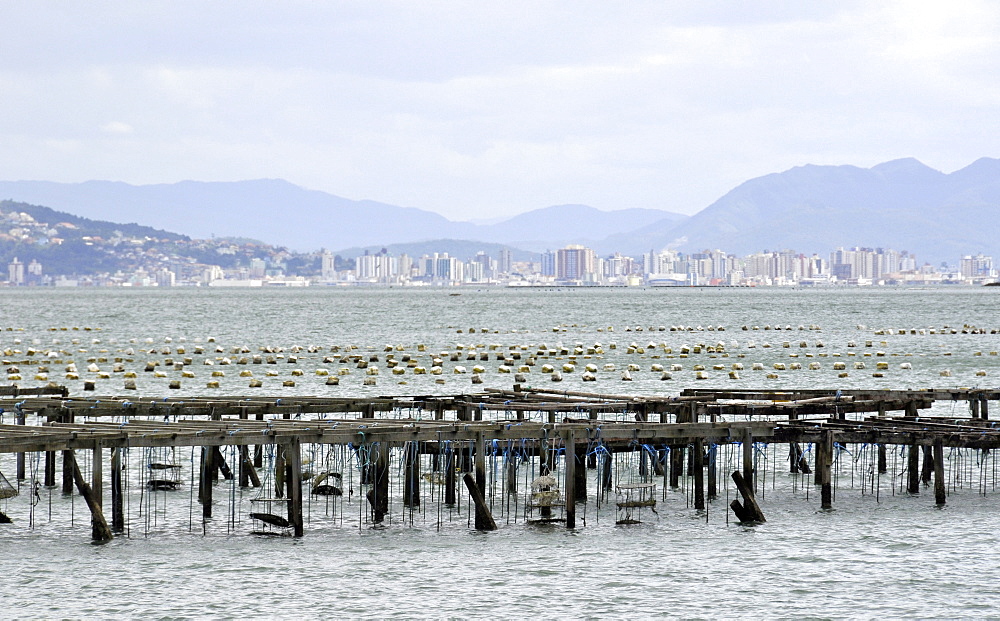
<point x="562" y="433"/>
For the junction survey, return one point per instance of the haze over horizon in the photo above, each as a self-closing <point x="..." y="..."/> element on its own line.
<point x="481" y="112"/>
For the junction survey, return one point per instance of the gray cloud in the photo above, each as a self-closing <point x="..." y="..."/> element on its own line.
<point x="476" y="109"/>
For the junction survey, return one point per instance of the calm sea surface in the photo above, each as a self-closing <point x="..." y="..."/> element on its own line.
<point x="879" y="553"/>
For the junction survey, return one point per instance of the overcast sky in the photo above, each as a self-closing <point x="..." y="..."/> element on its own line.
<point x="480" y="109"/>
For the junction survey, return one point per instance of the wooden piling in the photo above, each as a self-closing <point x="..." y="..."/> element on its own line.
<point x="99" y="531"/>
<point x="50" y="468"/>
<point x="205" y="482"/>
<point x="676" y="465"/>
<point x="939" y="487"/>
<point x="258" y="450"/>
<point x="484" y="518"/>
<point x="927" y="469"/>
<point x="883" y="466"/>
<point x="378" y="495"/>
<point x="698" y="451"/>
<point x="450" y="493"/>
<point x="19" y="420"/>
<point x="570" y="477"/>
<point x="117" y="493"/>
<point x="247" y="469"/>
<point x="580" y="478"/>
<point x="293" y="460"/>
<point x="219" y="464"/>
<point x="483" y="515"/>
<point x="607" y="481"/>
<point x="713" y="471"/>
<point x="748" y="473"/>
<point x="279" y="472"/>
<point x="748" y="510"/>
<point x="67" y="473"/>
<point x="244" y="465"/>
<point x="511" y="474"/>
<point x="411" y="475"/>
<point x="826" y="479"/>
<point x="913" y="469"/>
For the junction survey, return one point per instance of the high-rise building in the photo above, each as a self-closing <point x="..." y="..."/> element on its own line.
<point x="575" y="262"/>
<point x="548" y="263"/>
<point x="328" y="266"/>
<point x="505" y="262"/>
<point x="15" y="272"/>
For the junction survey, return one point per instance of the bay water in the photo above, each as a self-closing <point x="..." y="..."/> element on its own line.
<point x="880" y="552"/>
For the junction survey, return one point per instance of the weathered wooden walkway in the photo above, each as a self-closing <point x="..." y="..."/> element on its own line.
<point x="463" y="428"/>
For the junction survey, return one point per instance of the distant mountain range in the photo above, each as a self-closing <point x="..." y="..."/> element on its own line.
<point x="284" y="214"/>
<point x="901" y="204"/>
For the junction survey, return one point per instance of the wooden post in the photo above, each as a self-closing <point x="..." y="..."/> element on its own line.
<point x="939" y="488"/>
<point x="713" y="469"/>
<point x="258" y="450"/>
<point x="974" y="406"/>
<point x="50" y="468"/>
<point x="247" y="468"/>
<point x="580" y="480"/>
<point x="450" y="496"/>
<point x="913" y="469"/>
<point x="411" y="475"/>
<point x="882" y="465"/>
<point x="826" y="480"/>
<point x="482" y="512"/>
<point x="279" y="472"/>
<point x="220" y="465"/>
<point x="205" y="482"/>
<point x="570" y="478"/>
<point x="676" y="465"/>
<point x="293" y="459"/>
<point x="244" y="456"/>
<point x="378" y="495"/>
<point x="100" y="530"/>
<point x="117" y="495"/>
<point x="698" y="451"/>
<point x="67" y="466"/>
<point x="544" y="468"/>
<point x="467" y="458"/>
<point x="749" y="510"/>
<point x="245" y="465"/>
<point x="606" y="475"/>
<point x="511" y="473"/>
<point x="748" y="474"/>
<point x="97" y="474"/>
<point x="484" y="519"/>
<point x="984" y="408"/>
<point x="19" y="420"/>
<point x="927" y="469"/>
